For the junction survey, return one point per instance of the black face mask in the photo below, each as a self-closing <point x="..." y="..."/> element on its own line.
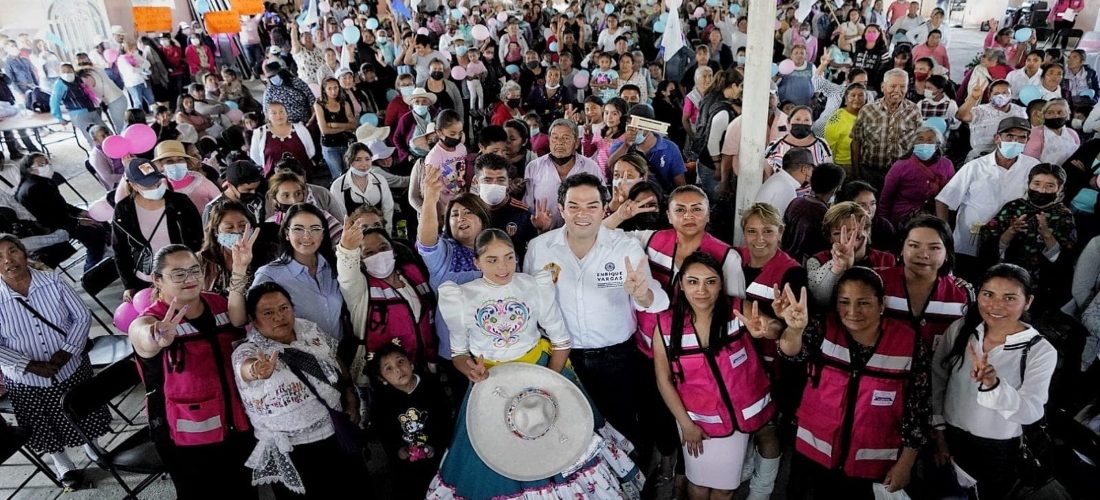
<point x="451" y="142"/>
<point x="560" y="161"/>
<point x="512" y="103"/>
<point x="532" y="64"/>
<point x="436" y="75"/>
<point x="283" y="207"/>
<point x="1054" y="123"/>
<point x="1041" y="199"/>
<point x="800" y="131"/>
<point x="249" y="198"/>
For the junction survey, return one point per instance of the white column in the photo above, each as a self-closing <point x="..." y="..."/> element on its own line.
<point x="755" y="100"/>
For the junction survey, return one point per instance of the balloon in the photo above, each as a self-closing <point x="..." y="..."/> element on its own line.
<point x="368" y="119"/>
<point x="116" y="147"/>
<point x="349" y="22"/>
<point x="338" y="40"/>
<point x="698" y="12"/>
<point x="735" y="9"/>
<point x="143" y="299"/>
<point x="457" y="14"/>
<point x="141" y="137"/>
<point x="364" y="8"/>
<point x="659" y="26"/>
<point x="324" y="7"/>
<point x="663" y="17"/>
<point x="937" y="123"/>
<point x="702" y="22"/>
<point x="1023" y="34"/>
<point x="351" y="35"/>
<point x="1087" y="93"/>
<point x="712" y="3"/>
<point x="480" y="33"/>
<point x="232" y="104"/>
<point x="372" y="24"/>
<point x="512" y="69"/>
<point x="580" y="80"/>
<point x="553" y="46"/>
<point x="54" y="39"/>
<point x="501" y="17"/>
<point x="316" y="89"/>
<point x="392" y="94"/>
<point x="786" y="67"/>
<point x="608" y="8"/>
<point x="458" y="73"/>
<point x="775" y="69"/>
<point x="110" y="55"/>
<point x="101" y="210"/>
<point x="235" y="116"/>
<point x="1030" y="93"/>
<point x="124" y="315"/>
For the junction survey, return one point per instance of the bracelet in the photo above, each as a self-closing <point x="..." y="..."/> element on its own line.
<point x="252" y="370"/>
<point x="990" y="388"/>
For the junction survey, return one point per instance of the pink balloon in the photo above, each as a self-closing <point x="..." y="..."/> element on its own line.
<point x="124" y="315"/>
<point x="786" y="67"/>
<point x="143" y="299"/>
<point x="348" y="22"/>
<point x="698" y="12"/>
<point x="110" y="55"/>
<point x="480" y="33"/>
<point x="458" y="73"/>
<point x="235" y="116"/>
<point x="141" y="136"/>
<point x="101" y="210"/>
<point x="316" y="89"/>
<point x="580" y="80"/>
<point x="116" y="146"/>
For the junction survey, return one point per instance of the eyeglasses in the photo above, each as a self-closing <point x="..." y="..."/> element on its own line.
<point x="302" y="230"/>
<point x="184" y="275"/>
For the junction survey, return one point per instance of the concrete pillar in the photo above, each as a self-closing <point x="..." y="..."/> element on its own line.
<point x="755" y="99"/>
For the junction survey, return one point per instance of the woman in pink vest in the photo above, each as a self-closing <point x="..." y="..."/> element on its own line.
<point x="184" y="346"/>
<point x="710" y="378"/>
<point x="864" y="411"/>
<point x="848" y="227"/>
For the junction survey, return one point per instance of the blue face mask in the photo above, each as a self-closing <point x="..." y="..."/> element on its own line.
<point x="420" y="109"/>
<point x="418" y="151"/>
<point x="407" y="90"/>
<point x="1011" y="150"/>
<point x="924" y="151"/>
<point x="276" y="80"/>
<point x="175" y="171"/>
<point x="639" y="138"/>
<point x="227" y="240"/>
<point x="740" y="60"/>
<point x="461" y="50"/>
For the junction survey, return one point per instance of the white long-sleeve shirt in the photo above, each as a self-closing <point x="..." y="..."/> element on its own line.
<point x="376" y="194"/>
<point x="998" y="413"/>
<point x="597" y="310"/>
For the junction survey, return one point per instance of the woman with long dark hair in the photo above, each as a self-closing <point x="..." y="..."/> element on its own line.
<point x="337" y="124"/>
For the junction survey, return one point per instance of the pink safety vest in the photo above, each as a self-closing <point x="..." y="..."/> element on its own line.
<point x="850" y="418"/>
<point x="661" y="249"/>
<point x="389" y="317"/>
<point x="201" y="402"/>
<point x="948" y="302"/>
<point x="724" y="388"/>
<point x="760" y="290"/>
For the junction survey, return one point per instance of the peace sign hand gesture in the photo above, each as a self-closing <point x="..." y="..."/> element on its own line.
<point x="242" y="249"/>
<point x="636" y="283"/>
<point x="844" y="251"/>
<point x="353" y="233"/>
<point x="541" y="219"/>
<point x="263" y="366"/>
<point x="629" y="208"/>
<point x="756" y="323"/>
<point x="982" y="372"/>
<point x="795" y="313"/>
<point x="163" y="332"/>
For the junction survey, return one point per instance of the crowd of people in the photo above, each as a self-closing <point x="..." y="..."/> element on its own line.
<point x="344" y="229"/>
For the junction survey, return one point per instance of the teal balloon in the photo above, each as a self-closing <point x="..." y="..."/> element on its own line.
<point x="1030" y="93"/>
<point x="664" y="17"/>
<point x="659" y="26"/>
<point x="391" y="94"/>
<point x="702" y="22"/>
<point x="54" y="39"/>
<point x="937" y="123"/>
<point x="232" y="105"/>
<point x="512" y="69"/>
<point x="369" y="119"/>
<point x="351" y="34"/>
<point x="372" y="24"/>
<point x="735" y="9"/>
<point x="338" y="39"/>
<point x="712" y="3"/>
<point x="1023" y="34"/>
<point x="775" y="69"/>
<point x="608" y="8"/>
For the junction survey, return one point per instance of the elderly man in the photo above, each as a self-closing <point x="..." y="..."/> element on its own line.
<point x="883" y="130"/>
<point x="545" y="174"/>
<point x="985" y="118"/>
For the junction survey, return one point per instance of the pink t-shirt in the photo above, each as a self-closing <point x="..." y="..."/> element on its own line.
<point x="475" y="68"/>
<point x="198" y="188"/>
<point x="155" y="230"/>
<point x="453" y="167"/>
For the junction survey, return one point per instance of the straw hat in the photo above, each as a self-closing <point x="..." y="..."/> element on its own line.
<point x="527" y="422"/>
<point x="367" y="133"/>
<point x="419" y="93"/>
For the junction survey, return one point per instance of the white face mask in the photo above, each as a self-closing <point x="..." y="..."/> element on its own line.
<point x="492" y="193"/>
<point x="68" y="77"/>
<point x="381" y="264"/>
<point x="154" y="194"/>
<point x="45" y="171"/>
<point x="1077" y="123"/>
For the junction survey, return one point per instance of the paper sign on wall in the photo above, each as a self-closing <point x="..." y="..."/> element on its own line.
<point x="248" y="7"/>
<point x="150" y="19"/>
<point x="222" y="22"/>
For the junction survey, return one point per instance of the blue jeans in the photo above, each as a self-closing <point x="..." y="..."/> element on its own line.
<point x="141" y="97"/>
<point x="707" y="179"/>
<point x="255" y="55"/>
<point x="334" y="159"/>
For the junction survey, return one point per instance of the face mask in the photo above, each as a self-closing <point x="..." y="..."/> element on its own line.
<point x="175" y="171"/>
<point x="560" y="161"/>
<point x="436" y="75"/>
<point x="492" y="193"/>
<point x="164" y="43"/>
<point x="870" y="36"/>
<point x="381" y="264"/>
<point x="420" y="109"/>
<point x="740" y="60"/>
<point x="358" y="173"/>
<point x="1054" y="123"/>
<point x="534" y="131"/>
<point x="451" y="142"/>
<point x="418" y="151"/>
<point x="227" y="240"/>
<point x="461" y="50"/>
<point x="552" y="87"/>
<point x="800" y="130"/>
<point x="382" y="40"/>
<point x="532" y="64"/>
<point x="276" y="80"/>
<point x="1000" y="100"/>
<point x="249" y="198"/>
<point x="407" y="90"/>
<point x="804" y="33"/>
<point x="639" y="138"/>
<point x="68" y="77"/>
<point x="45" y="171"/>
<point x="196" y="41"/>
<point x="154" y="194"/>
<point x="1041" y="199"/>
<point x="12" y="51"/>
<point x="283" y="207"/>
<point x="1077" y="123"/>
<point x="1011" y="150"/>
<point x="512" y="103"/>
<point x="924" y="151"/>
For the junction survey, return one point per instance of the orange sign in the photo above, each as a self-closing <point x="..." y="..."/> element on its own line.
<point x="223" y="22"/>
<point x="150" y="19"/>
<point x="248" y="7"/>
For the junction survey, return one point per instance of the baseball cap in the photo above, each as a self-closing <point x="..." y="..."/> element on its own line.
<point x="1012" y="122"/>
<point x="243" y="172"/>
<point x="343" y="70"/>
<point x="642" y="110"/>
<point x="798" y="156"/>
<point x="142" y="172"/>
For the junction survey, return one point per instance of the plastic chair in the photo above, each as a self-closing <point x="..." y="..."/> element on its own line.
<point x="136" y="454"/>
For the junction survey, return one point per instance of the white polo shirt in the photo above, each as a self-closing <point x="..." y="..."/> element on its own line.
<point x="779" y="190"/>
<point x="978" y="191"/>
<point x="597" y="310"/>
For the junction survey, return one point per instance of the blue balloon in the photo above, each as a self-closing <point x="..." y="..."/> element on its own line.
<point x="663" y="17"/>
<point x="1030" y="93"/>
<point x="364" y="8"/>
<point x="1023" y="34"/>
<point x="1087" y="93"/>
<point x="659" y="26"/>
<point x="553" y="46"/>
<point x="735" y="9"/>
<point x="351" y="35"/>
<point x="702" y="22"/>
<point x="775" y="69"/>
<point x="608" y="8"/>
<point x="937" y="123"/>
<point x="232" y="105"/>
<point x="338" y="40"/>
<point x="372" y="24"/>
<point x="712" y="3"/>
<point x="512" y="69"/>
<point x="457" y="14"/>
<point x="54" y="39"/>
<point x="391" y="94"/>
<point x="368" y="119"/>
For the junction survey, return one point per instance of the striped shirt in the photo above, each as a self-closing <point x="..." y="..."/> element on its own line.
<point x="25" y="338"/>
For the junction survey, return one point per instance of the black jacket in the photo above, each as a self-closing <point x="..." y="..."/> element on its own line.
<point x="184" y="226"/>
<point x="44" y="200"/>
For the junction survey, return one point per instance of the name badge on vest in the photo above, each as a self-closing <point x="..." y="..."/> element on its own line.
<point x="739" y="357"/>
<point x="883" y="398"/>
<point x="610" y="277"/>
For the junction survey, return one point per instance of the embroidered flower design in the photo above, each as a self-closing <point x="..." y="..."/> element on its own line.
<point x="502" y="320"/>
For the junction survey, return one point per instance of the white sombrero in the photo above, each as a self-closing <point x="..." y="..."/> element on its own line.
<point x="527" y="422"/>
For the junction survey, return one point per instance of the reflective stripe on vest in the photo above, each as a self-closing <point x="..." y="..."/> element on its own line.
<point x="901" y="304"/>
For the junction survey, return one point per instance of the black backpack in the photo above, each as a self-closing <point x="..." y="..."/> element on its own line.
<point x="38" y="100"/>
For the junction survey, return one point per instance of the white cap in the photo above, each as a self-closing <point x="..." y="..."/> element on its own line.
<point x="116" y="29"/>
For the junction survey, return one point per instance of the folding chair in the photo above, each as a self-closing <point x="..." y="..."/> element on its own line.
<point x="97" y="279"/>
<point x="106" y="349"/>
<point x="135" y="454"/>
<point x="14" y="440"/>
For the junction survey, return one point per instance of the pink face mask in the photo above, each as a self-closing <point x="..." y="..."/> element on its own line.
<point x="871" y="36"/>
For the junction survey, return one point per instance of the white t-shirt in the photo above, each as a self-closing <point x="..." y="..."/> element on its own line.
<point x="978" y="191"/>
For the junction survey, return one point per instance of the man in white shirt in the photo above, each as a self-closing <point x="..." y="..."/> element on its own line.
<point x="981" y="187"/>
<point x="985" y="118"/>
<point x="782" y="188"/>
<point x="909" y="22"/>
<point x="606" y="41"/>
<point x="1030" y="74"/>
<point x="602" y="278"/>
